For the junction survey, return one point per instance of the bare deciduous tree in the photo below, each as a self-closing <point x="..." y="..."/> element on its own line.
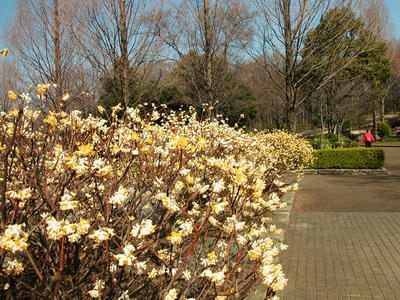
<point x="283" y="26"/>
<point x="41" y="38"/>
<point x="378" y="21"/>
<point x="10" y="79"/>
<point x="212" y="31"/>
<point x="117" y="36"/>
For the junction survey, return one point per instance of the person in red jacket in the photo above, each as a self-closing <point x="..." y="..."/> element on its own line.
<point x="368" y="139"/>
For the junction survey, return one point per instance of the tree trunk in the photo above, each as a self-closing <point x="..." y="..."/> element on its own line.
<point x="292" y="119"/>
<point x="322" y="124"/>
<point x="208" y="51"/>
<point x="382" y="110"/>
<point x="57" y="56"/>
<point x="124" y="54"/>
<point x="374" y="124"/>
<point x="289" y="88"/>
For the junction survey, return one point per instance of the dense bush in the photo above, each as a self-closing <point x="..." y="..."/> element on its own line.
<point x="290" y="151"/>
<point x="148" y="205"/>
<point x="348" y="158"/>
<point x="331" y="140"/>
<point x="384" y="129"/>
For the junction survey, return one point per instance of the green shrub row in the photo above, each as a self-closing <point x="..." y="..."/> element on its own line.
<point x="348" y="158"/>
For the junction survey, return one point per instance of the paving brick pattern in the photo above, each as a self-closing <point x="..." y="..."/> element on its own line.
<point x="342" y="255"/>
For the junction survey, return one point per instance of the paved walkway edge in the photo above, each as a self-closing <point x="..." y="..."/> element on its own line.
<point x="346" y="171"/>
<point x="282" y="217"/>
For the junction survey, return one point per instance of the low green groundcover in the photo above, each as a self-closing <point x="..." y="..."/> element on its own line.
<point x="348" y="158"/>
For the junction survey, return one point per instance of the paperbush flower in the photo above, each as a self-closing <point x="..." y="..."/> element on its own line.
<point x="12" y="96"/>
<point x="4" y="52"/>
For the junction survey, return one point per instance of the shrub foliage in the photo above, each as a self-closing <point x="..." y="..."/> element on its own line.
<point x="384" y="130"/>
<point x="331" y="140"/>
<point x="348" y="158"/>
<point x="147" y="205"/>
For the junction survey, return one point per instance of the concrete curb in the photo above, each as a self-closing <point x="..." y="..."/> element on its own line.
<point x="345" y="171"/>
<point x="282" y="217"/>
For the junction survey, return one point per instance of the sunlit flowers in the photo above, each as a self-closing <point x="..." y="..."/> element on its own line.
<point x="169" y="203"/>
<point x="143" y="229"/>
<point x="68" y="201"/>
<point x="4" y="52"/>
<point x="12" y="96"/>
<point x="14" y="239"/>
<point x="14" y="267"/>
<point x="171" y="295"/>
<point x="102" y="234"/>
<point x="42" y="88"/>
<point x="65" y="97"/>
<point x="217" y="277"/>
<point x="119" y="197"/>
<point x="84" y="150"/>
<point x="21" y="196"/>
<point x="96" y="291"/>
<point x="212" y="259"/>
<point x="175" y="237"/>
<point x="127" y="257"/>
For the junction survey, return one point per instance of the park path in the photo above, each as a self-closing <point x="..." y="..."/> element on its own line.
<point x="344" y="236"/>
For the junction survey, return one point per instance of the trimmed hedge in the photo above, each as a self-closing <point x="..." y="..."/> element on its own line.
<point x="348" y="158"/>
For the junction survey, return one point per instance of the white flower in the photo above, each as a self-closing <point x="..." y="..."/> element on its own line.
<point x="127" y="257"/>
<point x="219" y="207"/>
<point x="155" y="116"/>
<point x="145" y="228"/>
<point x="141" y="266"/>
<point x="67" y="201"/>
<point x="186" y="228"/>
<point x="95" y="293"/>
<point x="119" y="197"/>
<point x="65" y="97"/>
<point x="186" y="275"/>
<point x="102" y="234"/>
<point x="217" y="277"/>
<point x="169" y="203"/>
<point x="219" y="186"/>
<point x="26" y="98"/>
<point x="175" y="237"/>
<point x="124" y="296"/>
<point x="171" y="295"/>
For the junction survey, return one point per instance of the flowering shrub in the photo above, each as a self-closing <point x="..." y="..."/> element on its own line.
<point x="289" y="150"/>
<point x="146" y="206"/>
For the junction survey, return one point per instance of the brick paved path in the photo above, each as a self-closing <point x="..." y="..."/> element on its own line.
<point x="351" y="253"/>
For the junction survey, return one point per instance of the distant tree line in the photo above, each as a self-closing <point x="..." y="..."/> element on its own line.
<point x="258" y="63"/>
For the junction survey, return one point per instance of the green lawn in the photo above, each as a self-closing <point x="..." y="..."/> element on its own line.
<point x="389" y="141"/>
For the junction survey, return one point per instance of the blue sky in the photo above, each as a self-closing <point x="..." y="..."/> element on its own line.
<point x="7" y="8"/>
<point x="394" y="10"/>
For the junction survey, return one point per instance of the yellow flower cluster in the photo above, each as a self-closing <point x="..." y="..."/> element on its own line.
<point x="14" y="239"/>
<point x="14" y="267"/>
<point x="291" y="151"/>
<point x="58" y="229"/>
<point x="20" y="196"/>
<point x="42" y="88"/>
<point x="4" y="52"/>
<point x="12" y="96"/>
